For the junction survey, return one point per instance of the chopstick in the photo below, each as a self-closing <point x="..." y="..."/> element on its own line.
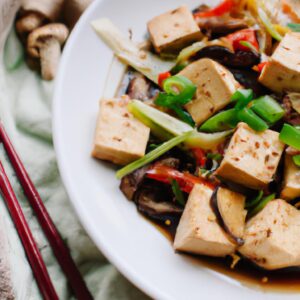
<point x="34" y="256"/>
<point x="60" y="250"/>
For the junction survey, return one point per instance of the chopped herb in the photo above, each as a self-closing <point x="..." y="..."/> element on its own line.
<point x="178" y="193"/>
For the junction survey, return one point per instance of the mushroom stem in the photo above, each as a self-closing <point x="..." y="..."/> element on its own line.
<point x="50" y="54"/>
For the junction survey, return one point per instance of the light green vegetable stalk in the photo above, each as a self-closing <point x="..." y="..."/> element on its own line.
<point x="161" y="123"/>
<point x="151" y="156"/>
<point x="269" y="26"/>
<point x="129" y="52"/>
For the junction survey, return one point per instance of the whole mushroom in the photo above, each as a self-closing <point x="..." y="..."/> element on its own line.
<point x="45" y="43"/>
<point x="27" y="23"/>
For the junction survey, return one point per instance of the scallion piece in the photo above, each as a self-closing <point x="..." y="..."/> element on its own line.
<point x="255" y="122"/>
<point x="242" y="97"/>
<point x="151" y="156"/>
<point x="222" y="121"/>
<point x="178" y="193"/>
<point x="268" y="109"/>
<point x="296" y="160"/>
<point x="268" y="25"/>
<point x="248" y="45"/>
<point x="261" y="205"/>
<point x="294" y="27"/>
<point x="253" y="202"/>
<point x="290" y="136"/>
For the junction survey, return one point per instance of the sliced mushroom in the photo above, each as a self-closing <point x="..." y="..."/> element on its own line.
<point x="45" y="43"/>
<point x="239" y="59"/>
<point x="229" y="209"/>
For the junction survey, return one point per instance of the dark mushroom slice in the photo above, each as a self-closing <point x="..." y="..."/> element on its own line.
<point x="221" y="25"/>
<point x="223" y="55"/>
<point x="249" y="80"/>
<point x="130" y="183"/>
<point x="291" y="115"/>
<point x="139" y="87"/>
<point x="229" y="209"/>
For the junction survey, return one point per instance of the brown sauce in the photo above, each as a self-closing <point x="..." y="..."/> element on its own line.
<point x="284" y="281"/>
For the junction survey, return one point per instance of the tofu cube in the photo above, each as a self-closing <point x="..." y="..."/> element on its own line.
<point x="119" y="137"/>
<point x="173" y="30"/>
<point x="291" y="181"/>
<point x="272" y="236"/>
<point x="251" y="158"/>
<point x="282" y="73"/>
<point x="215" y="86"/>
<point x="198" y="231"/>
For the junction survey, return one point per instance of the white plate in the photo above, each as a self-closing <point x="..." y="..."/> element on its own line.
<point x="131" y="243"/>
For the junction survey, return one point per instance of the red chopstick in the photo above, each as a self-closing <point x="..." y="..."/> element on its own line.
<point x="60" y="250"/>
<point x="34" y="256"/>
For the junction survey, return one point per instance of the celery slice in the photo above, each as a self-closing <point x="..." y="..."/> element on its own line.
<point x="161" y="123"/>
<point x="151" y="156"/>
<point x="129" y="52"/>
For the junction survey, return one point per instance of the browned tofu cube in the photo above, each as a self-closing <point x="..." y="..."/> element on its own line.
<point x="272" y="236"/>
<point x="291" y="180"/>
<point x="252" y="157"/>
<point x="215" y="86"/>
<point x="199" y="232"/>
<point x="282" y="73"/>
<point x="119" y="137"/>
<point x="173" y="30"/>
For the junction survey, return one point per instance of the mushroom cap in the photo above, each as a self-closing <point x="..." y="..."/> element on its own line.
<point x="29" y="22"/>
<point x="39" y="36"/>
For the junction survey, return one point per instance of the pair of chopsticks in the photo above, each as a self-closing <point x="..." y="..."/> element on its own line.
<point x="33" y="254"/>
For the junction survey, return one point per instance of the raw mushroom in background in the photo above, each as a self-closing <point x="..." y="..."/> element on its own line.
<point x="42" y="40"/>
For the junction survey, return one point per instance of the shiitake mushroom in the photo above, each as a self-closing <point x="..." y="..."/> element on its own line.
<point x="230" y="218"/>
<point x="237" y="59"/>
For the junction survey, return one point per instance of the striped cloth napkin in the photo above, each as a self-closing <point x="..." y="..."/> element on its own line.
<point x="25" y="109"/>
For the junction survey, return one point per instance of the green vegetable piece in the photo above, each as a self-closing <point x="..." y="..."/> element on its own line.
<point x="184" y="115"/>
<point x="151" y="156"/>
<point x="179" y="90"/>
<point x="159" y="119"/>
<point x="242" y="98"/>
<point x="294" y="27"/>
<point x="261" y="205"/>
<point x="214" y="156"/>
<point x="178" y="68"/>
<point x="255" y="122"/>
<point x="163" y="125"/>
<point x="290" y="136"/>
<point x="248" y="45"/>
<point x="268" y="25"/>
<point x="253" y="202"/>
<point x="178" y="193"/>
<point x="268" y="109"/>
<point x="222" y="121"/>
<point x="296" y="160"/>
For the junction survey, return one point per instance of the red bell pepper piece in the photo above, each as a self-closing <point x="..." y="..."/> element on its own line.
<point x="221" y="9"/>
<point x="247" y="35"/>
<point x="200" y="156"/>
<point x="162" y="77"/>
<point x="186" y="181"/>
<point x="261" y="66"/>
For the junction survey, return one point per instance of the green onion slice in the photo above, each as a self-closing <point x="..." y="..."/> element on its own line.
<point x="290" y="136"/>
<point x="296" y="160"/>
<point x="222" y="121"/>
<point x="253" y="202"/>
<point x="294" y="27"/>
<point x="268" y="25"/>
<point x="255" y="122"/>
<point x="178" y="193"/>
<point x="268" y="109"/>
<point x="261" y="205"/>
<point x="151" y="156"/>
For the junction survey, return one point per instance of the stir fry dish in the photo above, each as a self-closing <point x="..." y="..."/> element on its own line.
<point x="205" y="126"/>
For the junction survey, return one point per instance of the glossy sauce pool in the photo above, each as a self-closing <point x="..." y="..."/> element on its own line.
<point x="285" y="280"/>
